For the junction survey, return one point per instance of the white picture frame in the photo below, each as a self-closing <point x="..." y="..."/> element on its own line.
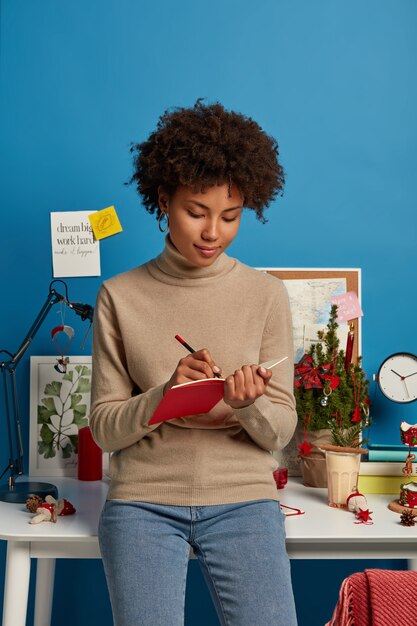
<point x="59" y="407"/>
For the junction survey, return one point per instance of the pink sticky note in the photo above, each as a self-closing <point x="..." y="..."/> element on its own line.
<point x="348" y="307"/>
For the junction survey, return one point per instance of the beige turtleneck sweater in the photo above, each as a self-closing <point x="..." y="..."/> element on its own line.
<point x="242" y="316"/>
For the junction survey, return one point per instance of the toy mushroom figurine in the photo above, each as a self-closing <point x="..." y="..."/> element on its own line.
<point x="49" y="510"/>
<point x="64" y="507"/>
<point x="45" y="512"/>
<point x="356" y="501"/>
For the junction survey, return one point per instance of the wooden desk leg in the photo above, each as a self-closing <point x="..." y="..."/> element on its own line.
<point x="45" y="574"/>
<point x="16" y="587"/>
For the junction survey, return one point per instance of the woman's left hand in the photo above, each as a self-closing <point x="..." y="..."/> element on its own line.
<point x="246" y="385"/>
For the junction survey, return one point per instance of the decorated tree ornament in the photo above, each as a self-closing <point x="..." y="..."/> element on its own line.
<point x="305" y="448"/>
<point x="407" y="470"/>
<point x="327" y="390"/>
<point x="62" y="346"/>
<point x="363" y="516"/>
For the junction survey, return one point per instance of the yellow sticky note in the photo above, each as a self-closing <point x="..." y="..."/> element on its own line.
<point x="105" y="223"/>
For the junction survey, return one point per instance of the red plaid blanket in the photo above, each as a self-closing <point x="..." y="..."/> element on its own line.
<point x="377" y="597"/>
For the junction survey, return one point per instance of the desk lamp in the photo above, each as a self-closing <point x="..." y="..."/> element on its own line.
<point x="18" y="491"/>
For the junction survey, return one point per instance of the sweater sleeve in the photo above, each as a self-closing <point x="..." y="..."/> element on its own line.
<point x="271" y="419"/>
<point x="119" y="411"/>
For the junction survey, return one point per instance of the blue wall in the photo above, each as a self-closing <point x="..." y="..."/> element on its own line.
<point x="333" y="81"/>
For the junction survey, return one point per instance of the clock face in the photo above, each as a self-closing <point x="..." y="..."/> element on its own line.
<point x="397" y="377"/>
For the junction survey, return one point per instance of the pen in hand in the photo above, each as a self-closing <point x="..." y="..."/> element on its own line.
<point x="190" y="349"/>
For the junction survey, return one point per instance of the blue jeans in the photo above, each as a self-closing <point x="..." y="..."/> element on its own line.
<point x="240" y="548"/>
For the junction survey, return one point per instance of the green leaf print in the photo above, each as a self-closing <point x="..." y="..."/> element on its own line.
<point x="62" y="412"/>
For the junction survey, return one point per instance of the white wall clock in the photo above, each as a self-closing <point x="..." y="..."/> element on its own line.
<point x="397" y="377"/>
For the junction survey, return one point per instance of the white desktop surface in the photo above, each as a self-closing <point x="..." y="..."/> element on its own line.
<point x="88" y="499"/>
<point x="322" y="532"/>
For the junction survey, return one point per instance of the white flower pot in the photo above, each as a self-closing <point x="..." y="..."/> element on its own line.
<point x="342" y="476"/>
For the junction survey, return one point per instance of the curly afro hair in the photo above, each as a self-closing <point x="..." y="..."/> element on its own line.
<point x="207" y="145"/>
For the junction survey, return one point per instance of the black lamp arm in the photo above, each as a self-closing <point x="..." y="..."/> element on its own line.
<point x="9" y="365"/>
<point x="53" y="298"/>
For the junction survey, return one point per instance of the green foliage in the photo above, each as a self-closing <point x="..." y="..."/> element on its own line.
<point x="61" y="413"/>
<point x="347" y="437"/>
<point x="351" y="393"/>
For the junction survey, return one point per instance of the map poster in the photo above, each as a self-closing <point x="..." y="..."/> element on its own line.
<point x="310" y="302"/>
<point x="75" y="252"/>
<point x="310" y="291"/>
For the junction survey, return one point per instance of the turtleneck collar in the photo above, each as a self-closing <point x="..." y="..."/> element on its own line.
<point x="172" y="268"/>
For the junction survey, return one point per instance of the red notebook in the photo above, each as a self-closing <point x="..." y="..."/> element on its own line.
<point x="197" y="396"/>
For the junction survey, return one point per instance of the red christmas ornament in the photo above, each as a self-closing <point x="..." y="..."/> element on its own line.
<point x="356" y="415"/>
<point x="364" y="516"/>
<point x="305" y="448"/>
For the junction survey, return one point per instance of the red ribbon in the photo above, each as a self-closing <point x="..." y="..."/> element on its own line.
<point x="308" y="376"/>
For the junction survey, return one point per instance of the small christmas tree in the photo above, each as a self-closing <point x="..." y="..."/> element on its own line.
<point x="329" y="393"/>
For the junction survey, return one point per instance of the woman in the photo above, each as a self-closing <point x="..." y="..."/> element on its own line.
<point x="203" y="481"/>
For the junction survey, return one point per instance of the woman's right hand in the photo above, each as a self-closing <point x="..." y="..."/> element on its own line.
<point x="195" y="366"/>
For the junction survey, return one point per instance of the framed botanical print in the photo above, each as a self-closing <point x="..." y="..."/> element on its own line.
<point x="59" y="407"/>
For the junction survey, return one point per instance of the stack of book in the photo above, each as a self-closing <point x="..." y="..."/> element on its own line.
<point x="386" y="452"/>
<point x="384" y="470"/>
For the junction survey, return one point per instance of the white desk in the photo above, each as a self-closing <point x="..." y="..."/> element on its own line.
<point x="322" y="533"/>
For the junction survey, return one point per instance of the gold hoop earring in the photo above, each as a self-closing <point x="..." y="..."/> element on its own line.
<point x="162" y="215"/>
